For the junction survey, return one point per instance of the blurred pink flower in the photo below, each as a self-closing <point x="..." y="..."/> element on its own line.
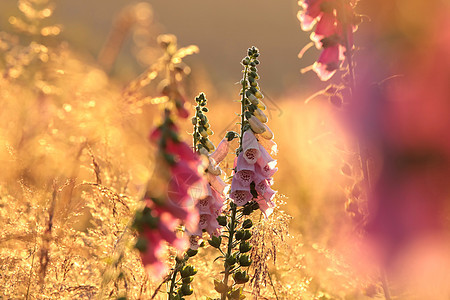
<point x="183" y="167"/>
<point x="334" y="31"/>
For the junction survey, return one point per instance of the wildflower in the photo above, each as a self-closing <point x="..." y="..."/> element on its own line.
<point x="336" y="23"/>
<point x="254" y="166"/>
<point x="210" y="204"/>
<point x="250" y="147"/>
<point x="161" y="217"/>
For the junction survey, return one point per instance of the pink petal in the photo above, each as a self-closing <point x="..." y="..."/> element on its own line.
<point x="265" y="206"/>
<point x="250" y="147"/>
<point x="269" y="145"/>
<point x="325" y="27"/>
<point x="182" y="151"/>
<point x="237" y="184"/>
<point x="243" y="164"/>
<point x="328" y="63"/>
<point x="221" y="151"/>
<point x="241" y="197"/>
<point x="217" y="183"/>
<point x="265" y="159"/>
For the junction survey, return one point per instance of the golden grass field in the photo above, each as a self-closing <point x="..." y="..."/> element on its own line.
<point x="75" y="158"/>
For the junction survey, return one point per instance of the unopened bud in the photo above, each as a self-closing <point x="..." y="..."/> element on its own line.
<point x="215" y="241"/>
<point x="239" y="235"/>
<point x="191" y="252"/>
<point x="247" y="224"/>
<point x="240" y="277"/>
<point x="245" y="247"/>
<point x="260" y="115"/>
<point x="186" y="289"/>
<point x="256" y="125"/>
<point x="245" y="260"/>
<point x="222" y="220"/>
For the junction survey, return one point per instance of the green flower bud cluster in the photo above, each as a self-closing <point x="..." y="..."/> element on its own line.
<point x="201" y="126"/>
<point x="254" y="117"/>
<point x="187" y="276"/>
<point x="239" y="255"/>
<point x="182" y="287"/>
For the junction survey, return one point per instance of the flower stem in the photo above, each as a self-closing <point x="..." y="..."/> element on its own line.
<point x="173" y="277"/>
<point x="230" y="247"/>
<point x="173" y="280"/>
<point x="233" y="219"/>
<point x="364" y="159"/>
<point x="243" y="106"/>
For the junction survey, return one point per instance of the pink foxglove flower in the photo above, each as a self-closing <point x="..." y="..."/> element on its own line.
<point x="159" y="220"/>
<point x="250" y="147"/>
<point x="221" y="151"/>
<point x="334" y="31"/>
<point x="253" y="171"/>
<point x="211" y="204"/>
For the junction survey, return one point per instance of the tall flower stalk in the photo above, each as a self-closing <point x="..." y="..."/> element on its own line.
<point x="336" y="22"/>
<point x="168" y="201"/>
<point x="250" y="185"/>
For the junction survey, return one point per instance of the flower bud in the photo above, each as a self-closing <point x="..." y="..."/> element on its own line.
<point x="222" y="220"/>
<point x="220" y="287"/>
<point x="256" y="125"/>
<point x="246" y="235"/>
<point x="259" y="95"/>
<point x="245" y="247"/>
<point x="239" y="235"/>
<point x="247" y="210"/>
<point x="215" y="241"/>
<point x="231" y="135"/>
<point x="191" y="252"/>
<point x="240" y="277"/>
<point x="245" y="260"/>
<point x="230" y="260"/>
<point x="188" y="279"/>
<point x="260" y="115"/>
<point x="177" y="296"/>
<point x="267" y="134"/>
<point x="261" y="105"/>
<point x="186" y="289"/>
<point x="194" y="120"/>
<point x="203" y="132"/>
<point x="188" y="271"/>
<point x="208" y="144"/>
<point x="247" y="224"/>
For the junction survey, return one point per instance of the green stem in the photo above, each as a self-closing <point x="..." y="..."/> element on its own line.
<point x="195" y="136"/>
<point x="233" y="206"/>
<point x="230" y="247"/>
<point x="173" y="280"/>
<point x="243" y="106"/>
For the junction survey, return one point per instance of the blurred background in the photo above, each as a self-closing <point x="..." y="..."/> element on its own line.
<point x="222" y="29"/>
